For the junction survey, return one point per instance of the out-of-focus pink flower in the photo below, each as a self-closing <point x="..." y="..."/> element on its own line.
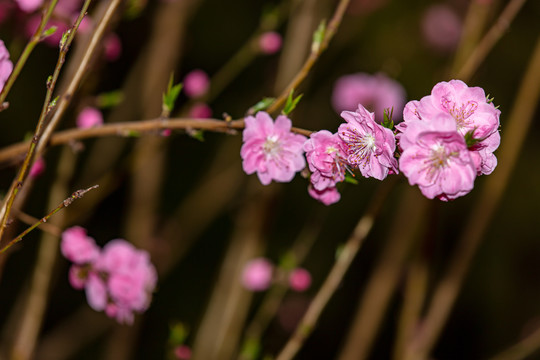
<point x="68" y="8"/>
<point x="77" y="247"/>
<point x="37" y="168"/>
<point x="89" y="117"/>
<point x="270" y="42"/>
<point x="257" y="274"/>
<point x="441" y="27"/>
<point x="29" y="5"/>
<point x="370" y="146"/>
<point x="328" y="196"/>
<point x="5" y="10"/>
<point x="182" y="352"/>
<point x="6" y="66"/>
<point x="299" y="279"/>
<point x="196" y="83"/>
<point x="113" y="47"/>
<point x="96" y="292"/>
<point x="119" y="280"/>
<point x="375" y="92"/>
<point x="200" y="111"/>
<point x="271" y="149"/>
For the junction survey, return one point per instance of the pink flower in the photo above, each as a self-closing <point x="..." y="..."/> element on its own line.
<point x="326" y="155"/>
<point x="472" y="114"/>
<point x="37" y="168"/>
<point x="270" y="42"/>
<point x="370" y="146"/>
<point x="441" y="27"/>
<point x="200" y="111"/>
<point x="29" y="5"/>
<point x="182" y="352"/>
<point x="77" y="277"/>
<point x="96" y="292"/>
<point x="196" y="83"/>
<point x="439" y="163"/>
<point x="299" y="279"/>
<point x="77" y="247"/>
<point x="89" y="117"/>
<point x="113" y="47"/>
<point x="271" y="149"/>
<point x="257" y="274"/>
<point x="328" y="196"/>
<point x="375" y="92"/>
<point x="6" y="66"/>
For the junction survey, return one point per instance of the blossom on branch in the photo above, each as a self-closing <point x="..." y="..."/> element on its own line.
<point x="6" y="66"/>
<point x="270" y="148"/>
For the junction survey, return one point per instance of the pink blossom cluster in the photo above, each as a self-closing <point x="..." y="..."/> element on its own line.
<point x="447" y="139"/>
<point x="118" y="279"/>
<point x="6" y="66"/>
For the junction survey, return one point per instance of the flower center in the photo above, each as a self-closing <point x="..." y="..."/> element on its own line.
<point x="271" y="146"/>
<point x="462" y="113"/>
<point x="438" y="158"/>
<point x="361" y="146"/>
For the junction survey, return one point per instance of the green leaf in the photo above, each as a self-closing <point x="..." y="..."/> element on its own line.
<point x="169" y="98"/>
<point x="470" y="140"/>
<point x="318" y="36"/>
<point x="291" y="103"/>
<point x="178" y="334"/>
<point x="109" y="99"/>
<point x="197" y="134"/>
<point x="64" y="39"/>
<point x="349" y="178"/>
<point x="387" y="121"/>
<point x="261" y="105"/>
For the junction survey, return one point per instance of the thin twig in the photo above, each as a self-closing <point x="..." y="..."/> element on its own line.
<point x="522" y="349"/>
<point x="344" y="260"/>
<point x="490" y="39"/>
<point x="68" y="201"/>
<point x="316" y="52"/>
<point x="18" y="182"/>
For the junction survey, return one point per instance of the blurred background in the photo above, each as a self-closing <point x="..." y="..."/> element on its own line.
<point x="186" y="200"/>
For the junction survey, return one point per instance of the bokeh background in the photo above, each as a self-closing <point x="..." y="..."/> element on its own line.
<point x="189" y="203"/>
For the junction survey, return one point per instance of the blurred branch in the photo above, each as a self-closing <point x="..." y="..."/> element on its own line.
<point x="34" y="40"/>
<point x="522" y="349"/>
<point x="343" y="261"/>
<point x="490" y="39"/>
<point x="447" y="290"/>
<point x="316" y="51"/>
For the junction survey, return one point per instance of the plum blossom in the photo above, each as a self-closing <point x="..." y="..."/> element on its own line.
<point x="200" y="111"/>
<point x="375" y="92"/>
<point x="270" y="42"/>
<point x="299" y="279"/>
<point x="472" y="114"/>
<point x="257" y="274"/>
<point x="6" y="66"/>
<point x="447" y="139"/>
<point x="38" y="168"/>
<point x="326" y="154"/>
<point x="29" y="5"/>
<point x="441" y="27"/>
<point x="271" y="149"/>
<point x="118" y="279"/>
<point x="328" y="196"/>
<point x="370" y="146"/>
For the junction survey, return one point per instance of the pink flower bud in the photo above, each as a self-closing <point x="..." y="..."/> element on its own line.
<point x="270" y="42"/>
<point x="6" y="66"/>
<point x="299" y="279"/>
<point x="257" y="274"/>
<point x="37" y="168"/>
<point x="29" y="5"/>
<point x="200" y="111"/>
<point x="196" y="83"/>
<point x="113" y="47"/>
<point x="89" y="117"/>
<point x="77" y="247"/>
<point x="182" y="352"/>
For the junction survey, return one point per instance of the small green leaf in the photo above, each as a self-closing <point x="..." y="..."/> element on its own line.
<point x="318" y="37"/>
<point x="132" y="133"/>
<point x="169" y="98"/>
<point x="197" y="134"/>
<point x="109" y="99"/>
<point x="291" y="103"/>
<point x="178" y="334"/>
<point x="251" y="349"/>
<point x="288" y="261"/>
<point x="388" y="122"/>
<point x="470" y="140"/>
<point x="261" y="105"/>
<point x="52" y="104"/>
<point x="349" y="178"/>
<point x="49" y="31"/>
<point x="64" y="39"/>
